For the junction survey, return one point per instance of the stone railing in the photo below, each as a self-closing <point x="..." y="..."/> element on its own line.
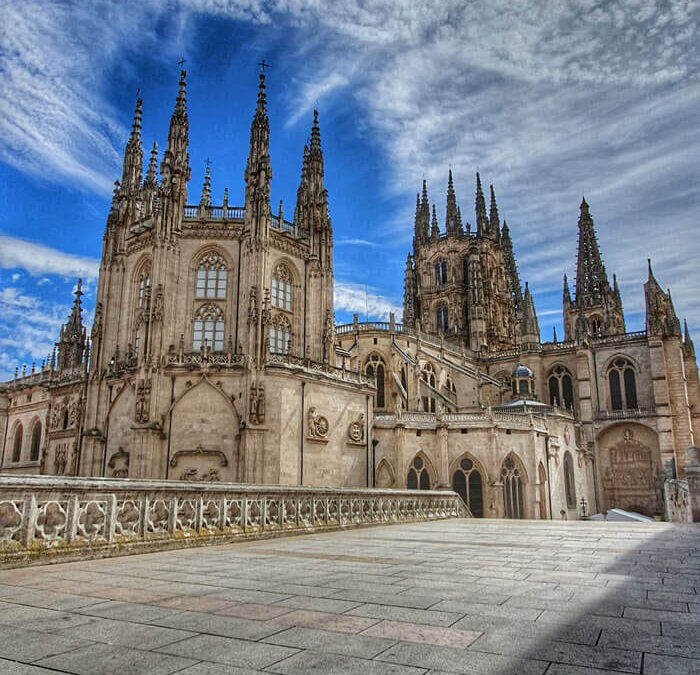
<point x="314" y="367"/>
<point x="623" y="414"/>
<point x="204" y="357"/>
<point x="45" y="518"/>
<point x="478" y="420"/>
<point x="677" y="501"/>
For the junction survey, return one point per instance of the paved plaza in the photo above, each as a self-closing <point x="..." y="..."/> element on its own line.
<point x="455" y="596"/>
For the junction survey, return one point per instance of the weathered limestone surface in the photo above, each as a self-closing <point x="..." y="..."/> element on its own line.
<point x="44" y="518"/>
<point x="454" y="596"/>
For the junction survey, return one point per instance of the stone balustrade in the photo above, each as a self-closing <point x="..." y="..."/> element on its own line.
<point x="46" y="518"/>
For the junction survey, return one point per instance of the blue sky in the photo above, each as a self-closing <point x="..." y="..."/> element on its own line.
<point x="548" y="100"/>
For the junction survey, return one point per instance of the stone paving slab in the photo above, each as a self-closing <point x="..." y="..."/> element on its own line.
<point x="471" y="596"/>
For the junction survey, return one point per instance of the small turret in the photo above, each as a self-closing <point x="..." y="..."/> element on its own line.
<point x="71" y="343"/>
<point x="434" y="229"/>
<point x="494" y="221"/>
<point x="661" y="317"/>
<point x="205" y="201"/>
<point x="452" y="224"/>
<point x="529" y="326"/>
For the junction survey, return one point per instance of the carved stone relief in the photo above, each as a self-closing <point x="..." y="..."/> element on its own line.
<point x="318" y="426"/>
<point x="143" y="401"/>
<point x="356" y="430"/>
<point x="119" y="463"/>
<point x="256" y="413"/>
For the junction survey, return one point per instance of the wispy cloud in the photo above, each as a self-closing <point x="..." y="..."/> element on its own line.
<point x="356" y="242"/>
<point x="39" y="260"/>
<point x="364" y="300"/>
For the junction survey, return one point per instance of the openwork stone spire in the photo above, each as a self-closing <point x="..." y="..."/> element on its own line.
<point x="494" y="220"/>
<point x="258" y="171"/>
<point x="151" y="180"/>
<point x="175" y="167"/>
<point x="434" y="229"/>
<point x="591" y="278"/>
<point x="132" y="172"/>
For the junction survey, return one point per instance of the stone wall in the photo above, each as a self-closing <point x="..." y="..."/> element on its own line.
<point x="46" y="519"/>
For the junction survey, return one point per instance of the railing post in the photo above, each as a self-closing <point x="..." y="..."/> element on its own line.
<point x="28" y="519"/>
<point x="199" y="515"/>
<point x="172" y="514"/>
<point x="71" y="519"/>
<point x="110" y="517"/>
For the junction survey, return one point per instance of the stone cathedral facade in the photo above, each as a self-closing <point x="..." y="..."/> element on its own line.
<point x="214" y="356"/>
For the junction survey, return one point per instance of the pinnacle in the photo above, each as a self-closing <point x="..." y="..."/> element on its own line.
<point x="262" y="99"/>
<point x="181" y="102"/>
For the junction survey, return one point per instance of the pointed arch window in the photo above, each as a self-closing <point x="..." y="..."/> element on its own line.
<point x="374" y="367"/>
<point x="36" y="442"/>
<point x="512" y="489"/>
<point x="442" y="319"/>
<point x="143" y="284"/>
<point x="428" y="376"/>
<point x="440" y="272"/>
<point x="561" y="389"/>
<point x="418" y="477"/>
<point x="211" y="277"/>
<point x="281" y="288"/>
<point x="569" y="483"/>
<point x="622" y="381"/>
<point x="467" y="483"/>
<point x="280" y="336"/>
<point x="208" y="325"/>
<point x="17" y="445"/>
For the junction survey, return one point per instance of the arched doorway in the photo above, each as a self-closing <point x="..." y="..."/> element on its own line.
<point x="512" y="478"/>
<point x="468" y="484"/>
<point x="542" y="490"/>
<point x="418" y="477"/>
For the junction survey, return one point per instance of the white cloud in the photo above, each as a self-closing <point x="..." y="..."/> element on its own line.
<point x="355" y="242"/>
<point x="364" y="301"/>
<point x="39" y="260"/>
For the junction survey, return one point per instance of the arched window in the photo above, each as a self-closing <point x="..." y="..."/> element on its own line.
<point x="211" y="276"/>
<point x="418" y="477"/>
<point x="512" y="489"/>
<point x="467" y="483"/>
<point x="440" y="272"/>
<point x="280" y="336"/>
<point x="442" y="322"/>
<point x="143" y="285"/>
<point x="17" y="445"/>
<point x="374" y="367"/>
<point x="561" y="389"/>
<point x="450" y="385"/>
<point x="595" y="326"/>
<point x="208" y="325"/>
<point x="281" y="288"/>
<point x="428" y="376"/>
<point x="36" y="442"/>
<point x="569" y="484"/>
<point x="623" y="385"/>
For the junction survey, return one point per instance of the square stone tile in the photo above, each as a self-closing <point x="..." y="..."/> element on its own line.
<point x="215" y="624"/>
<point x="670" y="665"/>
<point x="21" y="644"/>
<point x="425" y="616"/>
<point x="255" y="612"/>
<point x="340" y="623"/>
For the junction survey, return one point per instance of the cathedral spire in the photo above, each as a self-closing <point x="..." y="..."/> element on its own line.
<point x="151" y="180"/>
<point x="434" y="229"/>
<point x="688" y="346"/>
<point x="591" y="278"/>
<point x="482" y="222"/>
<point x="205" y="201"/>
<point x="567" y="294"/>
<point x="175" y="167"/>
<point x="494" y="220"/>
<point x="511" y="266"/>
<point x="133" y="155"/>
<point x="451" y="214"/>
<point x="258" y="171"/>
